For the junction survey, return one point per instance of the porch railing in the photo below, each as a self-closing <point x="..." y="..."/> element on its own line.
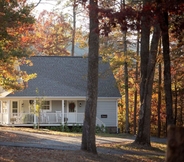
<point x="99" y="122"/>
<point x="45" y="118"/>
<point x="21" y="118"/>
<point x="4" y="118"/>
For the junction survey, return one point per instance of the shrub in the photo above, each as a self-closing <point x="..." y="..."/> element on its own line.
<point x="66" y="128"/>
<point x="76" y="128"/>
<point x="101" y="129"/>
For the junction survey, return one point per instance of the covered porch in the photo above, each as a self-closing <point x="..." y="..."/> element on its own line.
<point x="53" y="112"/>
<point x="43" y="111"/>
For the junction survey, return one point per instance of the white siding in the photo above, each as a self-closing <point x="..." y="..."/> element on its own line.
<point x="56" y="106"/>
<point x="25" y="107"/>
<point x="81" y="106"/>
<point x="107" y="108"/>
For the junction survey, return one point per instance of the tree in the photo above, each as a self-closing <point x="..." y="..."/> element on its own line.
<point x="74" y="27"/>
<point x="153" y="21"/>
<point x="143" y="135"/>
<point x="175" y="144"/>
<point x="159" y="92"/>
<point x="109" y="22"/>
<point x="88" y="133"/>
<point x="74" y="13"/>
<point x="177" y="76"/>
<point x="167" y="74"/>
<point x="16" y="26"/>
<point x="51" y="34"/>
<point x="162" y="10"/>
<point x="126" y="74"/>
<point x="37" y="107"/>
<point x="75" y="16"/>
<point x="136" y="78"/>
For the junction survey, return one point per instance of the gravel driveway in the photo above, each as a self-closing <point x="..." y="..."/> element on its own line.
<point x="16" y="138"/>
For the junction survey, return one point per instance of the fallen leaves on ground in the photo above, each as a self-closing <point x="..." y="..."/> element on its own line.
<point x="21" y="154"/>
<point x="25" y="154"/>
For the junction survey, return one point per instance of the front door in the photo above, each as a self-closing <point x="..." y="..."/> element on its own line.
<point x="71" y="112"/>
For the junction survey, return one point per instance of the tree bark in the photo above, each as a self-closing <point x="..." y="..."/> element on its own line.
<point x="167" y="67"/>
<point x="136" y="78"/>
<point x="159" y="90"/>
<point x="176" y="102"/>
<point x="143" y="136"/>
<point x="159" y="98"/>
<point x="144" y="54"/>
<point x="127" y="129"/>
<point x="175" y="143"/>
<point x="89" y="125"/>
<point x="74" y="28"/>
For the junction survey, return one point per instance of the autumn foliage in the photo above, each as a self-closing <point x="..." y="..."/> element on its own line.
<point x="128" y="18"/>
<point x="52" y="34"/>
<point x="16" y="26"/>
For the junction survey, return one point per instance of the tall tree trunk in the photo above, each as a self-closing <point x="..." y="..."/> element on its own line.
<point x="181" y="116"/>
<point x="144" y="54"/>
<point x="159" y="98"/>
<point x="181" y="108"/>
<point x="143" y="136"/>
<point x="127" y="129"/>
<point x="167" y="68"/>
<point x="176" y="102"/>
<point x="159" y="90"/>
<point x="88" y="134"/>
<point x="175" y="143"/>
<point x="74" y="28"/>
<point x="136" y="78"/>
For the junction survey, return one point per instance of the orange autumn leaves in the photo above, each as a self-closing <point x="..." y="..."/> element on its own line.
<point x="52" y="34"/>
<point x="15" y="41"/>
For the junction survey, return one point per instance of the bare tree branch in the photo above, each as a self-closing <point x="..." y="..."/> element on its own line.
<point x="37" y="4"/>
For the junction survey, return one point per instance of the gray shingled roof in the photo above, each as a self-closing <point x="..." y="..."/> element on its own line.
<point x="66" y="76"/>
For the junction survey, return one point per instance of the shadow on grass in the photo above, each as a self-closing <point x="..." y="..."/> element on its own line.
<point x="133" y="148"/>
<point x="136" y="152"/>
<point x="154" y="148"/>
<point x="118" y="135"/>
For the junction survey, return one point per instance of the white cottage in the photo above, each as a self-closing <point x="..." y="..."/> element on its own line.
<point x="61" y="83"/>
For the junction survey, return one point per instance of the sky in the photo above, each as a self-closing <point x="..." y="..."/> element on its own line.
<point x="43" y="5"/>
<point x="49" y="5"/>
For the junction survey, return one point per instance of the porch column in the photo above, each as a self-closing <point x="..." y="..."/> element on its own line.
<point x="63" y="112"/>
<point x="34" y="113"/>
<point x="2" y="112"/>
<point x="1" y="106"/>
<point x="117" y="116"/>
<point x="8" y="111"/>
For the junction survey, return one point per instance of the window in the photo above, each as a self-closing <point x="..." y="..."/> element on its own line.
<point x="45" y="105"/>
<point x="14" y="107"/>
<point x="4" y="106"/>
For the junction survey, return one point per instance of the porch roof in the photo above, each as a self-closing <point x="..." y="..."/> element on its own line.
<point x="66" y="76"/>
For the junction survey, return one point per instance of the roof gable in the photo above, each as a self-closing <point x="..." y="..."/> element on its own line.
<point x="66" y="76"/>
